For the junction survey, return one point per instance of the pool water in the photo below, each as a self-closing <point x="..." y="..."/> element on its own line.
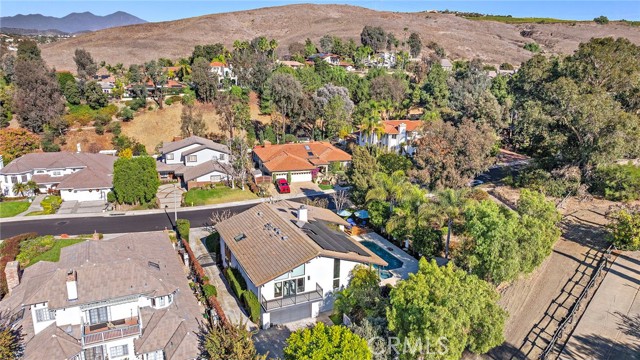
<point x="393" y="261"/>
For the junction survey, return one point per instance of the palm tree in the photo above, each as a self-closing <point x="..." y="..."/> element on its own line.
<point x="32" y="186"/>
<point x="371" y="125"/>
<point x="394" y="188"/>
<point x="448" y="205"/>
<point x="20" y="188"/>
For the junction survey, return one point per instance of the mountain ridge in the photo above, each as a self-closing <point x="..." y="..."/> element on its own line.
<point x="71" y="23"/>
<point x="493" y="42"/>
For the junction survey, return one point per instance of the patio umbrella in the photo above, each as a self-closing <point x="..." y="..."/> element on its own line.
<point x="362" y="214"/>
<point x="345" y="213"/>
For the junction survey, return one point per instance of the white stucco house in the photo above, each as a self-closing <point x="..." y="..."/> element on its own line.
<point x="299" y="161"/>
<point x="194" y="161"/>
<point x="292" y="257"/>
<point x="123" y="298"/>
<point x="224" y="72"/>
<point x="397" y="136"/>
<point x="78" y="176"/>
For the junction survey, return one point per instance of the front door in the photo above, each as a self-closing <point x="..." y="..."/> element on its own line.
<point x="289" y="288"/>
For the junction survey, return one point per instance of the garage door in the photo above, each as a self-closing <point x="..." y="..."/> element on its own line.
<point x="300" y="176"/>
<point x="291" y="314"/>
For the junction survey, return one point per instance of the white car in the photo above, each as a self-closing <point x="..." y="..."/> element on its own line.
<point x="475" y="183"/>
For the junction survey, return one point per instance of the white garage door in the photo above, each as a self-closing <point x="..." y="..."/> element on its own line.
<point x="291" y="314"/>
<point x="300" y="176"/>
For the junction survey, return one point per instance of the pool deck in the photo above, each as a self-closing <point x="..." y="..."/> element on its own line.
<point x="409" y="263"/>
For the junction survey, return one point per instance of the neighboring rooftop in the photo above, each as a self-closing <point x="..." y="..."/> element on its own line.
<point x="110" y="269"/>
<point x="191" y="140"/>
<point x="301" y="156"/>
<point x="192" y="172"/>
<point x="392" y="126"/>
<point x="268" y="240"/>
<point x="97" y="169"/>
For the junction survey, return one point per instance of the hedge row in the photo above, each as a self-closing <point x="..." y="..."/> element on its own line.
<point x="235" y="279"/>
<point x="9" y="249"/>
<point x="252" y="305"/>
<point x="183" y="226"/>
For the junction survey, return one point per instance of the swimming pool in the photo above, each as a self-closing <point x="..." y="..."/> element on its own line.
<point x="393" y="261"/>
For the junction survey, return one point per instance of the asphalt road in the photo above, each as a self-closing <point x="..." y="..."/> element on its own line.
<point x="114" y="224"/>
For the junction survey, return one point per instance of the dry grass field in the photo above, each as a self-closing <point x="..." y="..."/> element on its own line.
<point x="152" y="127"/>
<point x="494" y="42"/>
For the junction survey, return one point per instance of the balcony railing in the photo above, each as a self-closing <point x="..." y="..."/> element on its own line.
<point x="93" y="334"/>
<point x="301" y="298"/>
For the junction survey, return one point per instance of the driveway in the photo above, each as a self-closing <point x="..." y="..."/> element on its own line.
<point x="169" y="195"/>
<point x="297" y="188"/>
<point x="82" y="207"/>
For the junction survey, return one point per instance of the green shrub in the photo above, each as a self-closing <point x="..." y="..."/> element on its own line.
<point x="212" y="243"/>
<point x="602" y="20"/>
<point x="115" y="128"/>
<point x="533" y="47"/>
<point x="625" y="229"/>
<point x="183" y="226"/>
<point x="290" y="138"/>
<point x="136" y="104"/>
<point x="31" y="248"/>
<point x="252" y="305"/>
<point x="126" y="114"/>
<point x="173" y="99"/>
<point x="617" y="182"/>
<point x="99" y="129"/>
<point x="209" y="290"/>
<point x="544" y="182"/>
<point x="50" y="146"/>
<point x="109" y="110"/>
<point x="236" y="281"/>
<point x="51" y="204"/>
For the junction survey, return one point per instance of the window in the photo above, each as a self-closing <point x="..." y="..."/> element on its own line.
<point x="215" y="178"/>
<point x="121" y="350"/>
<point x="56" y="173"/>
<point x="214" y="158"/>
<point x="277" y="289"/>
<point x="299" y="271"/>
<point x="24" y="178"/>
<point x="192" y="158"/>
<point x="45" y="315"/>
<point x="156" y="355"/>
<point x="94" y="353"/>
<point x="169" y="156"/>
<point x="394" y="136"/>
<point x="336" y="274"/>
<point x="300" y="285"/>
<point x="14" y="179"/>
<point x="161" y="301"/>
<point x="221" y="156"/>
<point x="98" y="316"/>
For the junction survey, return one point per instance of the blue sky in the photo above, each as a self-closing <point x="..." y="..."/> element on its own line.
<point x="161" y="10"/>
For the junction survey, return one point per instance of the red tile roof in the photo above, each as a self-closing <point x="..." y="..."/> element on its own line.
<point x="217" y="63"/>
<point x="391" y="126"/>
<point x="296" y="157"/>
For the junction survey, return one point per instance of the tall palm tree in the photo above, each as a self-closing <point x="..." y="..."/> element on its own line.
<point x="32" y="186"/>
<point x="20" y="188"/>
<point x="394" y="188"/>
<point x="371" y="125"/>
<point x="448" y="206"/>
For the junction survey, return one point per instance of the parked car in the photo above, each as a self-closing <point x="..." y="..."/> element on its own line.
<point x="475" y="183"/>
<point x="283" y="186"/>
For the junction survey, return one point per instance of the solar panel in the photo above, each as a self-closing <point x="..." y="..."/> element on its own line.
<point x="328" y="239"/>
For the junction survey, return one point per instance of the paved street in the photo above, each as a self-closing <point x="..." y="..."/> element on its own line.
<point x="113" y="223"/>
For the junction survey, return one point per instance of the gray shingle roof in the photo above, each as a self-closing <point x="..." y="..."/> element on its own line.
<point x="193" y="172"/>
<point x="205" y="143"/>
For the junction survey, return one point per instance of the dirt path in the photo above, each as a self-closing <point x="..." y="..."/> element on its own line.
<point x="537" y="303"/>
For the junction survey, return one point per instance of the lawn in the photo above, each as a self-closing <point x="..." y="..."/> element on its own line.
<point x="53" y="254"/>
<point x="218" y="195"/>
<point x="50" y="205"/>
<point x="12" y="208"/>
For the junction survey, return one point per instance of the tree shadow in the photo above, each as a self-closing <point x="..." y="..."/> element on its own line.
<point x="505" y="351"/>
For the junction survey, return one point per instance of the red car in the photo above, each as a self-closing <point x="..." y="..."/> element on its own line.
<point x="283" y="186"/>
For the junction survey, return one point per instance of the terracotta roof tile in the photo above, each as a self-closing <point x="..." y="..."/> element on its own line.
<point x="302" y="156"/>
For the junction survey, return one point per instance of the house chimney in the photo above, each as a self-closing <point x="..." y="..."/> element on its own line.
<point x="72" y="285"/>
<point x="78" y="148"/>
<point x="12" y="274"/>
<point x="302" y="213"/>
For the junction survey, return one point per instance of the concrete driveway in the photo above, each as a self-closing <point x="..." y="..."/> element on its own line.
<point x="82" y="207"/>
<point x="297" y="188"/>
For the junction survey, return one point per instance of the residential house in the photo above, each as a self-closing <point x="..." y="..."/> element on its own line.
<point x="329" y="58"/>
<point x="397" y="136"/>
<point x="195" y="161"/>
<point x="291" y="63"/>
<point x="300" y="161"/>
<point x="224" y="72"/>
<point x="78" y="176"/>
<point x="123" y="298"/>
<point x="446" y="64"/>
<point x="292" y="257"/>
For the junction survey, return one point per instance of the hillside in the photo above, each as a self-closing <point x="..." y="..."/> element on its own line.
<point x="72" y="23"/>
<point x="495" y="42"/>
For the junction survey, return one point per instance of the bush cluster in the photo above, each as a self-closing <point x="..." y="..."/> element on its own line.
<point x="183" y="226"/>
<point x="31" y="248"/>
<point x="236" y="281"/>
<point x="212" y="243"/>
<point x="209" y="290"/>
<point x="543" y="181"/>
<point x="252" y="305"/>
<point x="617" y="182"/>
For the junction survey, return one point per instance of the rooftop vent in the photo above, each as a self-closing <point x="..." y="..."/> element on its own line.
<point x="240" y="236"/>
<point x="154" y="265"/>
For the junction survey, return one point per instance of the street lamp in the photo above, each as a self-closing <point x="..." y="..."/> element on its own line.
<point x="175" y="203"/>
